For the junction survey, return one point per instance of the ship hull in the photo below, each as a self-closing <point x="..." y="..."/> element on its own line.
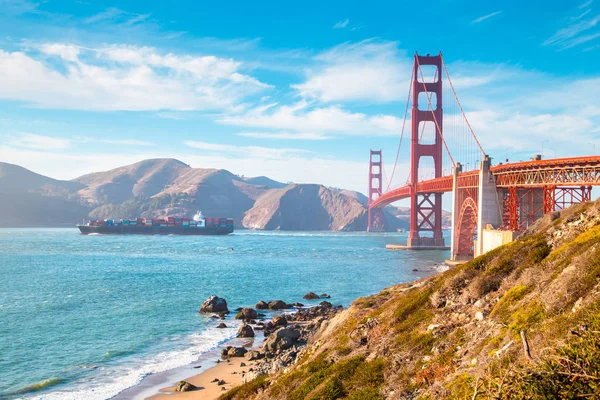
<point x="154" y="230"/>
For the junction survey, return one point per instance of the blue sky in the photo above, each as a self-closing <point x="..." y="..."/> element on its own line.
<point x="298" y="92"/>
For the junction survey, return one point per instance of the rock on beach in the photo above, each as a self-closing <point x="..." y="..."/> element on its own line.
<point x="214" y="304"/>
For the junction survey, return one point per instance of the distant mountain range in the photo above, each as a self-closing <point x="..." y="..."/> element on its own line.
<point x="161" y="187"/>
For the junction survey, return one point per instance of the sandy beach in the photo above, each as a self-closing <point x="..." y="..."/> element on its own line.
<point x="229" y="371"/>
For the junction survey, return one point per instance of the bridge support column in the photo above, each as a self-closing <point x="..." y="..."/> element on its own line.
<point x="375" y="215"/>
<point x="489" y="207"/>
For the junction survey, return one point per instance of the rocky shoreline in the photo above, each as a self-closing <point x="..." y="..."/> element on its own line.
<point x="286" y="335"/>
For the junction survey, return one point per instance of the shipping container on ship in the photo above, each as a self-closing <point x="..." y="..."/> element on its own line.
<point x="199" y="225"/>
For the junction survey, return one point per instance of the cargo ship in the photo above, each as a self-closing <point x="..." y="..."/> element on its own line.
<point x="199" y="225"/>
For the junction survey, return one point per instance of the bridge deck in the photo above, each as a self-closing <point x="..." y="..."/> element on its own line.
<point x="564" y="172"/>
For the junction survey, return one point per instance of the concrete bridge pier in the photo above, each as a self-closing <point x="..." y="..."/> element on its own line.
<point x="476" y="212"/>
<point x="489" y="206"/>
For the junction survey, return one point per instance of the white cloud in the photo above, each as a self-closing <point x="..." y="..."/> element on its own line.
<point x="247" y="151"/>
<point x="123" y="78"/>
<point x="368" y="71"/>
<point x="341" y="24"/>
<point x="123" y="142"/>
<point x="286" y="135"/>
<point x="483" y="18"/>
<point x="39" y="142"/>
<point x="326" y="121"/>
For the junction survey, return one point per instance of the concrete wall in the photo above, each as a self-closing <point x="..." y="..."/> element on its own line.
<point x="491" y="238"/>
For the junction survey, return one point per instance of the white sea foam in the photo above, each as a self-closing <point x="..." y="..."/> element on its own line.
<point x="110" y="381"/>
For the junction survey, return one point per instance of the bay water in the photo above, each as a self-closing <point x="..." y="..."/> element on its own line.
<point x="86" y="317"/>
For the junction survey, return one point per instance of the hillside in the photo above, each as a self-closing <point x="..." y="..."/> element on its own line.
<point x="30" y="199"/>
<point x="305" y="207"/>
<point x="520" y="322"/>
<point x="163" y="187"/>
<point x="266" y="182"/>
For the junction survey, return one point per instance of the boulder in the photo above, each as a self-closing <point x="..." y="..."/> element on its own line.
<point x="221" y="325"/>
<point x="254" y="355"/>
<point x="325" y="296"/>
<point x="247" y="313"/>
<point x="184" y="386"/>
<point x="296" y="304"/>
<point x="261" y="305"/>
<point x="236" y="352"/>
<point x="311" y="296"/>
<point x="276" y="323"/>
<point x="325" y="304"/>
<point x="279" y="305"/>
<point x="214" y="304"/>
<point x="279" y="320"/>
<point x="245" y="331"/>
<point x="281" y="339"/>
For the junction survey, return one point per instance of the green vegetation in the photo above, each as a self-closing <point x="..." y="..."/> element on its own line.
<point x="526" y="317"/>
<point x="319" y="379"/>
<point x="246" y="390"/>
<point x="508" y="301"/>
<point x="569" y="371"/>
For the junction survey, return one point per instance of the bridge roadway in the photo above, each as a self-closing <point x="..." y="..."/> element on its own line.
<point x="563" y="172"/>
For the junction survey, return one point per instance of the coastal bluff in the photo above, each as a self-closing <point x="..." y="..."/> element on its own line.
<point x="522" y="321"/>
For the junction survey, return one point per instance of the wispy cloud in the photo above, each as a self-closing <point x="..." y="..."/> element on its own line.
<point x="138" y="18"/>
<point x="39" y="142"/>
<point x="286" y="135"/>
<point x="18" y="6"/>
<point x="246" y="151"/>
<point x="577" y="31"/>
<point x="108" y="14"/>
<point x="483" y="18"/>
<point x="341" y="24"/>
<point x="122" y="142"/>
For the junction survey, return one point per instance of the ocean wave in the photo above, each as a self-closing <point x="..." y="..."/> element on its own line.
<point x="36" y="387"/>
<point x="112" y="380"/>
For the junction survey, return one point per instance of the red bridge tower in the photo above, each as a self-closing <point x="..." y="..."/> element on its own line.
<point x="375" y="222"/>
<point x="426" y="208"/>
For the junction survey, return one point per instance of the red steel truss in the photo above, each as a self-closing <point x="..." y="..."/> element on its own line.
<point x="523" y="206"/>
<point x="578" y="171"/>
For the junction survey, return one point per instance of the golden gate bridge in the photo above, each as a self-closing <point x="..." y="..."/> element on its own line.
<point x="446" y="157"/>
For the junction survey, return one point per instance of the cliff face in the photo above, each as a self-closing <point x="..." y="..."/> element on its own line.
<point x="306" y="207"/>
<point x="522" y="321"/>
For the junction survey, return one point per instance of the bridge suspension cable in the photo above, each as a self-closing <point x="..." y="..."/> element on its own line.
<point x="460" y="106"/>
<point x="402" y="133"/>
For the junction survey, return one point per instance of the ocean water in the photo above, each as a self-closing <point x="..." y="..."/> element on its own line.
<point x="86" y="317"/>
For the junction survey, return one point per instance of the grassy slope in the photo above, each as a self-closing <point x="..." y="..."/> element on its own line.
<point x="424" y="340"/>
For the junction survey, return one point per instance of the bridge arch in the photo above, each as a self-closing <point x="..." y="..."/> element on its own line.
<point x="465" y="230"/>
